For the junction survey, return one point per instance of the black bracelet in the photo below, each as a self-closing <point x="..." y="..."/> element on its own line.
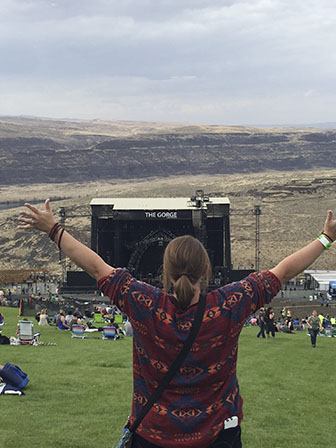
<point x="59" y="239"/>
<point x="325" y="234"/>
<point x="53" y="230"/>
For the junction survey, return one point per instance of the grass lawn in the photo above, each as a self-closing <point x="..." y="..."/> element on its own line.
<point x="79" y="393"/>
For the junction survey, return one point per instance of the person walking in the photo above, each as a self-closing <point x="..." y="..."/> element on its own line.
<point x="201" y="407"/>
<point x="269" y="323"/>
<point x="314" y="326"/>
<point x="261" y="323"/>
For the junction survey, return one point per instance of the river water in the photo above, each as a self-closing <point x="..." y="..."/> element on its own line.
<point x="7" y="205"/>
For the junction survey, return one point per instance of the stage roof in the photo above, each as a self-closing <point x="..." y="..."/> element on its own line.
<point x="322" y="277"/>
<point x="155" y="203"/>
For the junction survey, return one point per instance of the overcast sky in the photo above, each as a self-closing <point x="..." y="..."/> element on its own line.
<point x="201" y="61"/>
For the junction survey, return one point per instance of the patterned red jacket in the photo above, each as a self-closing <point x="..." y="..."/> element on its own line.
<point x="205" y="391"/>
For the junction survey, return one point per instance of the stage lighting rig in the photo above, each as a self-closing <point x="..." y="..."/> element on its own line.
<point x="199" y="200"/>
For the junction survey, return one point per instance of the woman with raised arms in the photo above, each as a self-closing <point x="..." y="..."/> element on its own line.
<point x="201" y="406"/>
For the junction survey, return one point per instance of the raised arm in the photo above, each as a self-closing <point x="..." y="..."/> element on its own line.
<point x="82" y="256"/>
<point x="303" y="258"/>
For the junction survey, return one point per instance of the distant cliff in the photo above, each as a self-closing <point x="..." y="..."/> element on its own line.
<point x="42" y="151"/>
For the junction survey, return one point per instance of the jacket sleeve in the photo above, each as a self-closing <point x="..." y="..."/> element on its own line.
<point x="243" y="298"/>
<point x="134" y="298"/>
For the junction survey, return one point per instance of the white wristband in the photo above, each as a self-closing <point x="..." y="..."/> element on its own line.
<point x="323" y="240"/>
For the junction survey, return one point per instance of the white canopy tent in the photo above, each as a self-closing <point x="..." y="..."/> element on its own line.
<point x="322" y="278"/>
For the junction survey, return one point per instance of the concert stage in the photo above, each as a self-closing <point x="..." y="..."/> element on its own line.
<point x="133" y="232"/>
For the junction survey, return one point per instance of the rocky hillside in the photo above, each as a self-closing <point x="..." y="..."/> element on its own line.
<point x="43" y="151"/>
<point x="293" y="204"/>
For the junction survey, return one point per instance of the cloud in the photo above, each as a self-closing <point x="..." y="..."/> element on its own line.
<point x="198" y="60"/>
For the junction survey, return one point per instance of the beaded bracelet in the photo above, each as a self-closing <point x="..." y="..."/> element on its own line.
<point x="54" y="231"/>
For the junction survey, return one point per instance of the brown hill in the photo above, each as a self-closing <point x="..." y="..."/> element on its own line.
<point x="293" y="205"/>
<point x="43" y="151"/>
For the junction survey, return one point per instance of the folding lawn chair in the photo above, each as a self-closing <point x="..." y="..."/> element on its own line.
<point x="26" y="331"/>
<point x="118" y="319"/>
<point x="98" y="318"/>
<point x="109" y="333"/>
<point x="77" y="331"/>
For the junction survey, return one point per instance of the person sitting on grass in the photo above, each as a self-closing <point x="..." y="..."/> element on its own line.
<point x="119" y="331"/>
<point x="77" y="313"/>
<point x="61" y="321"/>
<point x="202" y="406"/>
<point x="128" y="328"/>
<point x="44" y="318"/>
<point x="77" y="321"/>
<point x="69" y="316"/>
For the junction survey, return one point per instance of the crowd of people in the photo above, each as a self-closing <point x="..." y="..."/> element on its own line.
<point x="59" y="311"/>
<point x="73" y="317"/>
<point x="65" y="320"/>
<point x="285" y="323"/>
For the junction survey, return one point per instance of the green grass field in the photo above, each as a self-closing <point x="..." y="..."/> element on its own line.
<point x="79" y="393"/>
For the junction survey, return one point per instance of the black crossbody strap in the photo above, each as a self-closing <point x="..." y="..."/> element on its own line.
<point x="175" y="365"/>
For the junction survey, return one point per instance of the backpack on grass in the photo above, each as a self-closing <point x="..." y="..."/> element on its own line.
<point x="4" y="340"/>
<point x="13" y="375"/>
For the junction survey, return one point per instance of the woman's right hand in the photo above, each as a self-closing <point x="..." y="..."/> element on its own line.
<point x="330" y="226"/>
<point x="37" y="219"/>
<point x="303" y="258"/>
